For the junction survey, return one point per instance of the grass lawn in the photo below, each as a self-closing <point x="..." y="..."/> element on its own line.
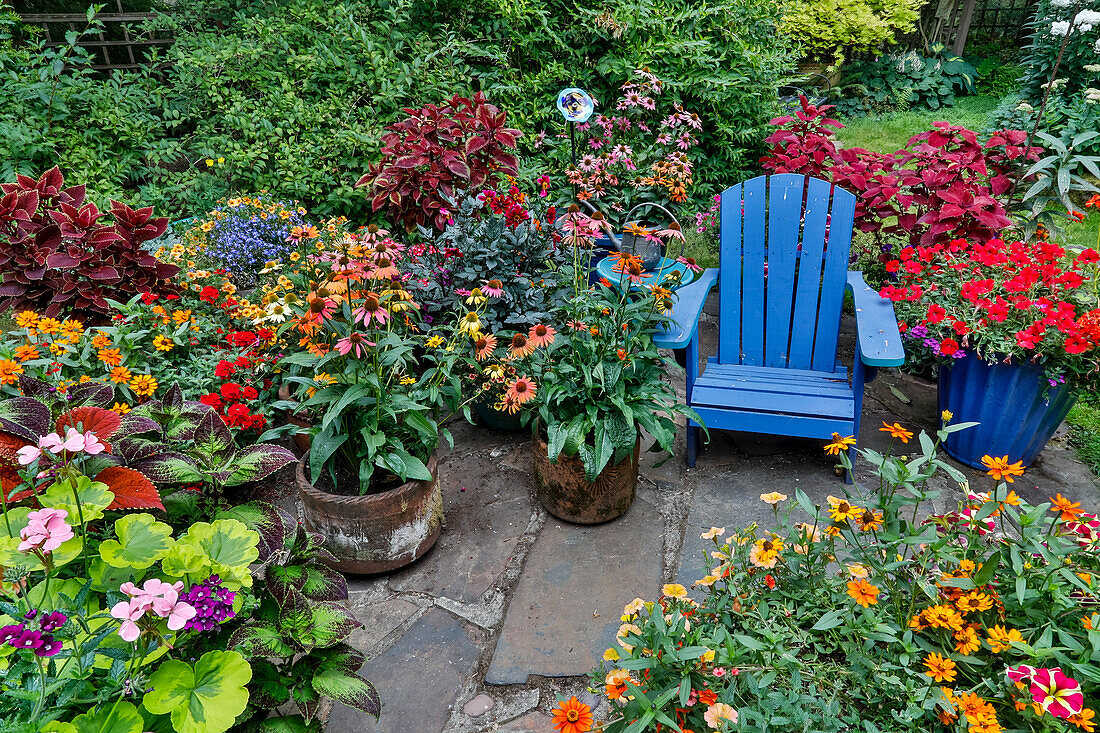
<point x="888" y="132"/>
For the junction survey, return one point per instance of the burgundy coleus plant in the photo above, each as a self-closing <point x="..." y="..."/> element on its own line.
<point x="945" y="184"/>
<point x="437" y="153"/>
<point x="58" y="253"/>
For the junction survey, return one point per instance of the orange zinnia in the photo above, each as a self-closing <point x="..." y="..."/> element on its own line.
<point x="896" y="431"/>
<point x="110" y="357"/>
<point x="940" y="669"/>
<point x="572" y="716"/>
<point x="1001" y="470"/>
<point x="839" y="444"/>
<point x="1069" y="509"/>
<point x="863" y="592"/>
<point x="26" y="352"/>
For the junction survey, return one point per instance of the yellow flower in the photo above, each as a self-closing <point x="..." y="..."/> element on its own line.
<point x="621" y="634"/>
<point x="407" y="380"/>
<point x="946" y="416"/>
<point x="209" y="162"/>
<point x="634" y="607"/>
<point x="707" y="657"/>
<point x="1000" y="639"/>
<point x="221" y="160"/>
<point x="434" y="342"/>
<point x="57" y="348"/>
<point x="707" y="580"/>
<point x="838" y="444"/>
<point x="143" y="385"/>
<point x="9" y="371"/>
<point x="163" y="343"/>
<point x="773" y="498"/>
<point x="121" y="408"/>
<point x="181" y="317"/>
<point x="764" y="553"/>
<point x="674" y="590"/>
<point x="967" y="641"/>
<point x="713" y="532"/>
<point x="470" y="323"/>
<point x="610" y="655"/>
<point x="857" y="570"/>
<point x="49" y="326"/>
<point x="841" y="511"/>
<point x="939" y="668"/>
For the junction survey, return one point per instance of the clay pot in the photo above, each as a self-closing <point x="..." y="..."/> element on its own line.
<point x="375" y="533"/>
<point x="565" y="492"/>
<point x="496" y="419"/>
<point x="302" y="441"/>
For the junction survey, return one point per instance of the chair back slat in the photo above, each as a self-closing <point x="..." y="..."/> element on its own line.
<point x="729" y="276"/>
<point x="754" y="256"/>
<point x="784" y="226"/>
<point x="838" y="245"/>
<point x="808" y="290"/>
<point x="784" y="250"/>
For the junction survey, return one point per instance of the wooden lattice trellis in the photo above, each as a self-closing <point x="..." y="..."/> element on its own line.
<point x="119" y="49"/>
<point x="952" y="22"/>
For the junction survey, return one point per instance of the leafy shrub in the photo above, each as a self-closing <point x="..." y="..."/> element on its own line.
<point x="1049" y="28"/>
<point x="491" y="237"/>
<point x="436" y="155"/>
<point x="904" y="81"/>
<point x="862" y="614"/>
<point x="1066" y="116"/>
<point x="836" y="29"/>
<point x="58" y="258"/>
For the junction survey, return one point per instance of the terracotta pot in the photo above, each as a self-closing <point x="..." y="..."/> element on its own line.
<point x="375" y="533"/>
<point x="567" y="494"/>
<point x="302" y="441"/>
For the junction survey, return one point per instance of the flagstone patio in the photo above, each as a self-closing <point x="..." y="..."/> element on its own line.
<point x="512" y="606"/>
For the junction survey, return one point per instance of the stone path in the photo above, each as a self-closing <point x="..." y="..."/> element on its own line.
<point x="513" y="607"/>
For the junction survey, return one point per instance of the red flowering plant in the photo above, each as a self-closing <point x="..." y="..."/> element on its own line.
<point x="1030" y="302"/>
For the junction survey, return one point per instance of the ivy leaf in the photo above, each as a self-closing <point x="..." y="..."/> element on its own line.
<point x="204" y="698"/>
<point x="142" y="540"/>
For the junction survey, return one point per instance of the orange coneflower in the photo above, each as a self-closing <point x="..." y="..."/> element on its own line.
<point x="521" y="390"/>
<point x="521" y="347"/>
<point x="383" y="269"/>
<point x="540" y="335"/>
<point x="484" y="346"/>
<point x="870" y="520"/>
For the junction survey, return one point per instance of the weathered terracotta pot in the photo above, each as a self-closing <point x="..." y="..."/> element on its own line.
<point x="567" y="494"/>
<point x="375" y="533"/>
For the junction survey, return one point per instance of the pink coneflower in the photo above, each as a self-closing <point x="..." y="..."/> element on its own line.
<point x="648" y="103"/>
<point x="371" y="308"/>
<point x="577" y="325"/>
<point x="521" y="390"/>
<point x="484" y="346"/>
<point x="541" y="335"/>
<point x="689" y="263"/>
<point x="320" y="308"/>
<point x="588" y="163"/>
<point x="493" y="288"/>
<point x="383" y="269"/>
<point x="595" y="143"/>
<point x="685" y="141"/>
<point x="631" y="98"/>
<point x="520" y="346"/>
<point x="354" y="341"/>
<point x="672" y="232"/>
<point x="664" y="139"/>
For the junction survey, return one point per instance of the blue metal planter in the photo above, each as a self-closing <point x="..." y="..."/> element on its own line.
<point x="601" y="249"/>
<point x="1016" y="411"/>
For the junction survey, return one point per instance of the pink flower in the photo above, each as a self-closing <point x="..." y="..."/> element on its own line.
<point x="1022" y="673"/>
<point x="719" y="712"/>
<point x="73" y="442"/>
<point x="28" y="454"/>
<point x="354" y="341"/>
<point x="178" y="614"/>
<point x="1057" y="694"/>
<point x="92" y="446"/>
<point x="45" y="531"/>
<point x="719" y="672"/>
<point x="129" y="612"/>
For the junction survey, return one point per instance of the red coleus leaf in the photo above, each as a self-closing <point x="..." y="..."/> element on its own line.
<point x="104" y="423"/>
<point x="9" y="476"/>
<point x="132" y="489"/>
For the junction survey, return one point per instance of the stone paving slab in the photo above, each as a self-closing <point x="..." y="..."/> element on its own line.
<point x="531" y="723"/>
<point x="565" y="609"/>
<point x="417" y="678"/>
<point x="486" y="510"/>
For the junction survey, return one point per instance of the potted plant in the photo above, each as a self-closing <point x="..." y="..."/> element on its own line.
<point x="593" y="384"/>
<point x="375" y="385"/>
<point x="1014" y="329"/>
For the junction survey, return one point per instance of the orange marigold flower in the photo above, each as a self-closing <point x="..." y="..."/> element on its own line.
<point x="110" y="357"/>
<point x="1001" y="470"/>
<point x="863" y="592"/>
<point x="9" y="371"/>
<point x="896" y="431"/>
<point x="1069" y="509"/>
<point x="26" y="352"/>
<point x="939" y="668"/>
<point x="1000" y="639"/>
<point x="834" y="448"/>
<point x="572" y="716"/>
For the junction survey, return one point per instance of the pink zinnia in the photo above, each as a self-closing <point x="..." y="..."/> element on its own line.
<point x="1057" y="694"/>
<point x="46" y="530"/>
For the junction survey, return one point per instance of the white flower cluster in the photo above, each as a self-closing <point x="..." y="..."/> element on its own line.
<point x="1085" y="21"/>
<point x="1092" y="96"/>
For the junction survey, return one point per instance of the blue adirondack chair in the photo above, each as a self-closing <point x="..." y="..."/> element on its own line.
<point x="782" y="274"/>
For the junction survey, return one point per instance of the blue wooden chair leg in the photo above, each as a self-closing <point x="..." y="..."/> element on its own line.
<point x="848" y="471"/>
<point x="692" y="444"/>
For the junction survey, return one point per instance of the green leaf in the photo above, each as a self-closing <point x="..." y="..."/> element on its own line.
<point x="260" y="639"/>
<point x="142" y="541"/>
<point x="349" y="689"/>
<point x="120" y="718"/>
<point x="830" y="620"/>
<point x="324" y="444"/>
<point x="94" y="498"/>
<point x="204" y="698"/>
<point x="225" y="547"/>
<point x="257" y="462"/>
<point x="272" y="523"/>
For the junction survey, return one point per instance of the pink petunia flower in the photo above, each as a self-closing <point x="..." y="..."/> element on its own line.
<point x="1058" y="694"/>
<point x="46" y="530"/>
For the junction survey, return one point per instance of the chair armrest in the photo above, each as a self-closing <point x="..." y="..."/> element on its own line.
<point x="686" y="311"/>
<point x="877" y="336"/>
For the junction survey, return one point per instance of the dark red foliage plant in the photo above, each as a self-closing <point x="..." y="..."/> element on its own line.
<point x="944" y="185"/>
<point x="59" y="256"/>
<point x="436" y="153"/>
